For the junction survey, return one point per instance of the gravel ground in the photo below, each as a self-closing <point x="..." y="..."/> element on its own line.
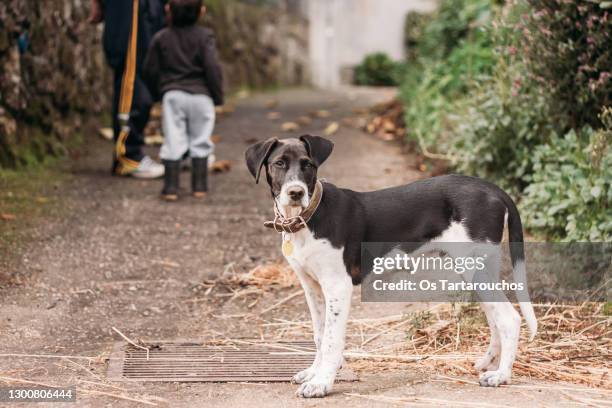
<point x="121" y="257"/>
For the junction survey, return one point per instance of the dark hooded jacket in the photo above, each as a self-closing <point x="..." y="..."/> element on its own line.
<point x="184" y="59"/>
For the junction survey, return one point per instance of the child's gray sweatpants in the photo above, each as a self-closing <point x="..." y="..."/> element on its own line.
<point x="187" y="122"/>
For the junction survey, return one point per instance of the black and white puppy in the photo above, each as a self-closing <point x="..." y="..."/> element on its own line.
<point x="326" y="256"/>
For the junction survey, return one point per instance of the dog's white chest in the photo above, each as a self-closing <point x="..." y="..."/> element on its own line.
<point x="304" y="250"/>
<point x="302" y="245"/>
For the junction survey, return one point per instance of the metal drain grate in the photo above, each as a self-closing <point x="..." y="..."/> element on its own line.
<point x="198" y="362"/>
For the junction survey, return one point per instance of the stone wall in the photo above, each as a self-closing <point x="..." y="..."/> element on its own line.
<point x="54" y="82"/>
<point x="52" y="77"/>
<point x="260" y="45"/>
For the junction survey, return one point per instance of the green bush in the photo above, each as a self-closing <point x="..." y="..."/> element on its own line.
<point x="453" y="22"/>
<point x="512" y="94"/>
<point x="566" y="47"/>
<point x="571" y="188"/>
<point x="495" y="134"/>
<point x="377" y="69"/>
<point x="454" y="53"/>
<point x="414" y="25"/>
<point x="516" y="131"/>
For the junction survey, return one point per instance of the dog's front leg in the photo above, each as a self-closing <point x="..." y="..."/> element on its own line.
<point x="337" y="288"/>
<point x="316" y="305"/>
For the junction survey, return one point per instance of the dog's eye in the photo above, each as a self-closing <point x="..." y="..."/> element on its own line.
<point x="308" y="165"/>
<point x="279" y="163"/>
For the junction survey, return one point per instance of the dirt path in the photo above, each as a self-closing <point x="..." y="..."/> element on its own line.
<point x="123" y="258"/>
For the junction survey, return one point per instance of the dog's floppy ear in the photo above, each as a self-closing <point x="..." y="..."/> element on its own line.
<point x="318" y="148"/>
<point x="257" y="154"/>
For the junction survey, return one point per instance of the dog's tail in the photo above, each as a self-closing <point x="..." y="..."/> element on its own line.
<point x="517" y="254"/>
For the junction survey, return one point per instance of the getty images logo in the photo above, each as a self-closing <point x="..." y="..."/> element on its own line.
<point x="412" y="264"/>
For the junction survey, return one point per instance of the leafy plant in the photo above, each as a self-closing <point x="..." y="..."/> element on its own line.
<point x="565" y="46"/>
<point x="454" y="21"/>
<point x="414" y="26"/>
<point x="497" y="129"/>
<point x="377" y="69"/>
<point x="571" y="186"/>
<point x="444" y="75"/>
<point x="511" y="94"/>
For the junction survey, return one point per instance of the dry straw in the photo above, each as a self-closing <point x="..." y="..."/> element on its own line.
<point x="574" y="342"/>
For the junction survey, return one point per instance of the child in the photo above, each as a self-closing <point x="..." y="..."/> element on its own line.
<point x="183" y="69"/>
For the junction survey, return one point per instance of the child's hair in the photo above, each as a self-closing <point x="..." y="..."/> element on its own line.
<point x="185" y="12"/>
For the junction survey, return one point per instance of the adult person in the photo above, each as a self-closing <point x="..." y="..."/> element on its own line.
<point x="129" y="26"/>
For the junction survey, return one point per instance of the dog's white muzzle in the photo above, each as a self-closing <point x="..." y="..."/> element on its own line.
<point x="293" y="194"/>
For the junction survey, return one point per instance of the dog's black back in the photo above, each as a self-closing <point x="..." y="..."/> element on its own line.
<point x="413" y="213"/>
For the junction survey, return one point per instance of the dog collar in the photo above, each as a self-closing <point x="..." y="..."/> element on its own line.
<point x="294" y="224"/>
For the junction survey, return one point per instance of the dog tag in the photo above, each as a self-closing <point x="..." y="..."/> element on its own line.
<point x="287" y="248"/>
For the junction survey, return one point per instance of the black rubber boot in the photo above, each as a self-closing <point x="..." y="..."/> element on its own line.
<point x="199" y="177"/>
<point x="115" y="166"/>
<point x="171" y="180"/>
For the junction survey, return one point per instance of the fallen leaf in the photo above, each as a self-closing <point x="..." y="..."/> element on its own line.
<point x="388" y="119"/>
<point x="422" y="167"/>
<point x="215" y="139"/>
<point x="221" y="166"/>
<point x="388" y="126"/>
<point x="272" y="103"/>
<point x="360" y="123"/>
<point x="106" y="133"/>
<point x="322" y="113"/>
<point x="42" y="200"/>
<point x="273" y="115"/>
<point x="289" y="127"/>
<point x="225" y="109"/>
<point x="156" y="111"/>
<point x="154" y="140"/>
<point x="331" y="129"/>
<point x="387" y="137"/>
<point x="250" y="140"/>
<point x="165" y="262"/>
<point x="243" y="93"/>
<point x="7" y="217"/>
<point x="304" y="120"/>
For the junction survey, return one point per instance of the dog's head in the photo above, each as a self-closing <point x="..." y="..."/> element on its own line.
<point x="291" y="167"/>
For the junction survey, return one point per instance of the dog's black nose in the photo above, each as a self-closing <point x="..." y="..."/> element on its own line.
<point x="295" y="193"/>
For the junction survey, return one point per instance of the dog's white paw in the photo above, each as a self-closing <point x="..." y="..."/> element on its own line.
<point x="494" y="378"/>
<point x="487" y="362"/>
<point x="314" y="389"/>
<point x="303" y="376"/>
